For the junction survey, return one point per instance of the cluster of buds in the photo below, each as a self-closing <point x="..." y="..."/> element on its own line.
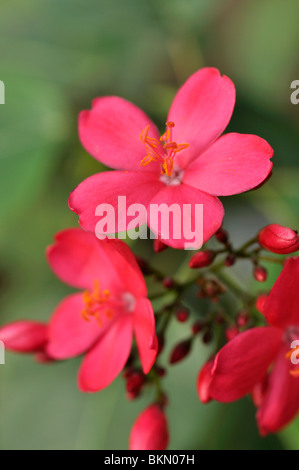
<point x="210" y="288"/>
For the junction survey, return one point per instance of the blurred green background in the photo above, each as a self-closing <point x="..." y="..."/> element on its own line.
<point x="56" y="56"/>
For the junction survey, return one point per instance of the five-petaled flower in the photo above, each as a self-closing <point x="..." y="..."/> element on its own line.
<point x="190" y="164"/>
<point x="245" y="362"/>
<point x="100" y="321"/>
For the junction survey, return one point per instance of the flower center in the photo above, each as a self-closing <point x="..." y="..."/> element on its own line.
<point x="156" y="154"/>
<point x="97" y="304"/>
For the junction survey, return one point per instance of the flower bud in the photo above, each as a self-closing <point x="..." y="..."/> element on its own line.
<point x="182" y="315"/>
<point x="204" y="380"/>
<point x="231" y="332"/>
<point x="135" y="382"/>
<point x="260" y="273"/>
<point x="168" y="283"/>
<point x="230" y="260"/>
<point x="260" y="302"/>
<point x="24" y="336"/>
<point x="202" y="259"/>
<point x="242" y="319"/>
<point x="159" y="245"/>
<point x="197" y="327"/>
<point x="150" y="430"/>
<point x="222" y="236"/>
<point x="279" y="239"/>
<point x="180" y="351"/>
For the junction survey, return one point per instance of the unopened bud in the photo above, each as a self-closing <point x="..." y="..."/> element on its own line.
<point x="182" y="315"/>
<point x="222" y="236"/>
<point x="202" y="259"/>
<point x="231" y="332"/>
<point x="260" y="273"/>
<point x="260" y="302"/>
<point x="180" y="351"/>
<point x="230" y="260"/>
<point x="242" y="319"/>
<point x="168" y="283"/>
<point x="150" y="430"/>
<point x="279" y="239"/>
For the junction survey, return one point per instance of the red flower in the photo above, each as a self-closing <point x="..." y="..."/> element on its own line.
<point x="245" y="361"/>
<point x="189" y="165"/>
<point x="100" y="321"/>
<point x="279" y="239"/>
<point x="150" y="430"/>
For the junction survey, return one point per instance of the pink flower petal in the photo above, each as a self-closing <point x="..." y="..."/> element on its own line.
<point x="233" y="164"/>
<point x="108" y="357"/>
<point x="69" y="334"/>
<point x="280" y="404"/>
<point x="243" y="362"/>
<point x="144" y="328"/>
<point x="185" y="200"/>
<point x="110" y="132"/>
<point x="201" y="111"/>
<point x="24" y="336"/>
<point x="281" y="306"/>
<point x="78" y="258"/>
<point x="106" y="188"/>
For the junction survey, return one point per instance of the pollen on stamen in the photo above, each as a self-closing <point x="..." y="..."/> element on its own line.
<point x="95" y="304"/>
<point x="162" y="153"/>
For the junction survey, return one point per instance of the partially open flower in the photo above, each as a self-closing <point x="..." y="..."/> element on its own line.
<point x="150" y="430"/>
<point x="279" y="239"/>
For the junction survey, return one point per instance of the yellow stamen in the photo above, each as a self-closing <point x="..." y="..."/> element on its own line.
<point x="95" y="303"/>
<point x="161" y="153"/>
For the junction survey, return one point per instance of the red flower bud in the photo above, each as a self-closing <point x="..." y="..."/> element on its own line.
<point x="204" y="380"/>
<point x="230" y="260"/>
<point x="260" y="273"/>
<point x="197" y="327"/>
<point x="24" y="336"/>
<point x="260" y="302"/>
<point x="135" y="382"/>
<point x="222" y="236"/>
<point x="150" y="430"/>
<point x="231" y="332"/>
<point x="242" y="319"/>
<point x="202" y="259"/>
<point x="180" y="351"/>
<point x="279" y="239"/>
<point x="159" y="245"/>
<point x="182" y="315"/>
<point x="168" y="283"/>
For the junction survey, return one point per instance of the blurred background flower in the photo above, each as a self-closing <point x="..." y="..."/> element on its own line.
<point x="55" y="58"/>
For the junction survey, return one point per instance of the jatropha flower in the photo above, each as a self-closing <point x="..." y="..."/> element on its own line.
<point x="188" y="165"/>
<point x="150" y="430"/>
<point x="100" y="321"/>
<point x="262" y="355"/>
